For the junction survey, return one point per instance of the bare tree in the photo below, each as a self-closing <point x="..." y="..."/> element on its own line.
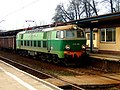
<point x="76" y="9"/>
<point x="117" y="5"/>
<point x="113" y="5"/>
<point x="90" y="8"/>
<point x="59" y="14"/>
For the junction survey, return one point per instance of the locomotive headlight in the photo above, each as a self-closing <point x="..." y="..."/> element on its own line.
<point x="75" y="27"/>
<point x="83" y="46"/>
<point x="67" y="47"/>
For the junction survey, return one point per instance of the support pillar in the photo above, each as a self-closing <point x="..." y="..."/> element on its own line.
<point x="91" y="40"/>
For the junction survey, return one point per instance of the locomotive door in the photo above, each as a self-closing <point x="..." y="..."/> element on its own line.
<point x="49" y="41"/>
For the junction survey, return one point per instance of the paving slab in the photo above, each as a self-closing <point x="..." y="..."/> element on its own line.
<point x="12" y="78"/>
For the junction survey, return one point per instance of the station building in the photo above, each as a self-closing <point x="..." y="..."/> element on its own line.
<point x="105" y="40"/>
<point x="95" y="39"/>
<point x="109" y="39"/>
<point x="102" y="33"/>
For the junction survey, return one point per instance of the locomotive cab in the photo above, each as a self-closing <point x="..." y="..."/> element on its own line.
<point x="73" y="43"/>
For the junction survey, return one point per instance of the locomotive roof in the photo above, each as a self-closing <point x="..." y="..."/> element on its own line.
<point x="66" y="27"/>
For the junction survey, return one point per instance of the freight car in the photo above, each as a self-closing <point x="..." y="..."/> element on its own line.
<point x="8" y="42"/>
<point x="8" y="39"/>
<point x="57" y="44"/>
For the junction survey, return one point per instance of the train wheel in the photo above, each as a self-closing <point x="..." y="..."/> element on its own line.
<point x="66" y="62"/>
<point x="43" y="58"/>
<point x="55" y="59"/>
<point x="19" y="52"/>
<point x="49" y="59"/>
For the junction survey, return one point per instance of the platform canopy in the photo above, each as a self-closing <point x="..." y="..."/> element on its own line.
<point x="10" y="33"/>
<point x="107" y="20"/>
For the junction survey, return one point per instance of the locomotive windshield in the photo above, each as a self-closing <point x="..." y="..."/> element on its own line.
<point x="74" y="34"/>
<point x="70" y="34"/>
<point x="80" y="34"/>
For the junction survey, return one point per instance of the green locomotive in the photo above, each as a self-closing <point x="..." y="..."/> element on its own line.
<point x="57" y="44"/>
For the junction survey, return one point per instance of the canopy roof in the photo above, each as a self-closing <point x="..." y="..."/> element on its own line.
<point x="107" y="20"/>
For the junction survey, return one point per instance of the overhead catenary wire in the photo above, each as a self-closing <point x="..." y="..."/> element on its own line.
<point x="23" y="7"/>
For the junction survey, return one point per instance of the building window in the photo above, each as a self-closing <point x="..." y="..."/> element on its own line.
<point x="103" y="34"/>
<point x="108" y="35"/>
<point x="93" y="36"/>
<point x="88" y="36"/>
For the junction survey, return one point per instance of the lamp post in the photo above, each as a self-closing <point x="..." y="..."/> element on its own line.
<point x="31" y="21"/>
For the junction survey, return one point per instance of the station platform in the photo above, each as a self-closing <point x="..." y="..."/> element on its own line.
<point x="108" y="57"/>
<point x="106" y="62"/>
<point x="12" y="78"/>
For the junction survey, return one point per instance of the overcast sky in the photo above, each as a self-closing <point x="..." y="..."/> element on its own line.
<point x="14" y="13"/>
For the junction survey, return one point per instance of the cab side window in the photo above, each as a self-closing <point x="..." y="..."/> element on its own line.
<point x="44" y="35"/>
<point x="60" y="34"/>
<point x="57" y="34"/>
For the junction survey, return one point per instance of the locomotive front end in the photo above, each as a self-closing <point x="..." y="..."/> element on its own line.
<point x="74" y="45"/>
<point x="71" y="54"/>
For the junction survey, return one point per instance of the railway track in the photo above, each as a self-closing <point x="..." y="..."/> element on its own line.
<point x="40" y="74"/>
<point x="112" y="76"/>
<point x="93" y="73"/>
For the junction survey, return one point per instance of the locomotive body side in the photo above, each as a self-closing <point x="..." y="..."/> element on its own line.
<point x="64" y="42"/>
